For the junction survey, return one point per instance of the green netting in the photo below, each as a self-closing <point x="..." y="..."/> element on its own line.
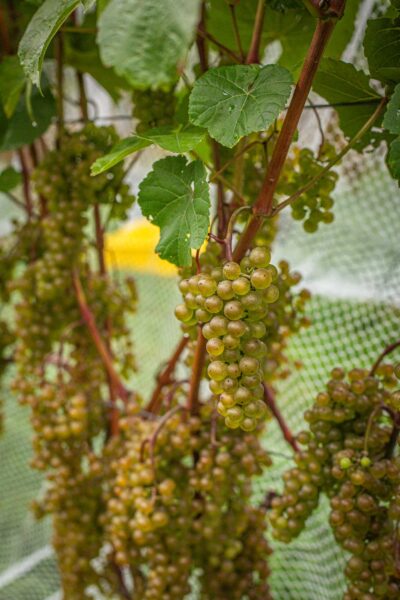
<point x="353" y="269"/>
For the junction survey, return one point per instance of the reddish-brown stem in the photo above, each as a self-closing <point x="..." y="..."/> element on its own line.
<point x="164" y="378"/>
<point x="99" y="239"/>
<point x="264" y="202"/>
<point x="101" y="347"/>
<point x="253" y="55"/>
<point x="197" y="369"/>
<point x="388" y="350"/>
<point x="201" y="39"/>
<point x="26" y="182"/>
<point x="270" y="401"/>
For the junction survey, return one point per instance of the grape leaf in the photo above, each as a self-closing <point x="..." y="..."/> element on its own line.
<point x="175" y="196"/>
<point x="342" y="84"/>
<point x="391" y="121"/>
<point x="19" y="129"/>
<point x="174" y="139"/>
<point x="43" y="26"/>
<point x="234" y="101"/>
<point x="9" y="179"/>
<point x="12" y="82"/>
<point x="393" y="159"/>
<point x="146" y="42"/>
<point x="382" y="49"/>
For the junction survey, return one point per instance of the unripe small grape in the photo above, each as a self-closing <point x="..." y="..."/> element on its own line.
<point x="271" y="294"/>
<point x="215" y="346"/>
<point x="260" y="257"/>
<point x="235" y="414"/>
<point x="202" y="315"/>
<point x="241" y="286"/>
<point x="227" y="400"/>
<point x="237" y="328"/>
<point x="183" y="313"/>
<point x="230" y="341"/>
<point x="233" y="370"/>
<point x="243" y="395"/>
<point x="231" y="270"/>
<point x="225" y="290"/>
<point x="217" y="370"/>
<point x="215" y="387"/>
<point x="248" y="424"/>
<point x="214" y="304"/>
<point x="233" y="310"/>
<point x="258" y="329"/>
<point x="249" y="365"/>
<point x="208" y="332"/>
<point x="193" y="284"/>
<point x="261" y="279"/>
<point x="219" y="325"/>
<point x="207" y="286"/>
<point x="230" y="384"/>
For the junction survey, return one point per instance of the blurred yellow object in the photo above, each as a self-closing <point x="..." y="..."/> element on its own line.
<point x="132" y="247"/>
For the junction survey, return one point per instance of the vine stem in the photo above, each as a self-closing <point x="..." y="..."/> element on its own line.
<point x="388" y="350"/>
<point x="102" y="349"/>
<point x="270" y="401"/>
<point x="364" y="129"/>
<point x="253" y="55"/>
<point x="263" y="204"/>
<point x="164" y="378"/>
<point x="197" y="369"/>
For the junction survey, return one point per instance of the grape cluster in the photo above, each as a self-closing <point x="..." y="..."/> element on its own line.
<point x="314" y="206"/>
<point x="178" y="504"/>
<point x="246" y="312"/>
<point x="350" y="456"/>
<point x="153" y="108"/>
<point x="60" y="373"/>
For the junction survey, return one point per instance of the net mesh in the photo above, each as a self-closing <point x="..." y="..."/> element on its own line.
<point x="352" y="268"/>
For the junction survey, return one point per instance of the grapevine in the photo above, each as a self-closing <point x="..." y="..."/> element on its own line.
<point x="152" y="492"/>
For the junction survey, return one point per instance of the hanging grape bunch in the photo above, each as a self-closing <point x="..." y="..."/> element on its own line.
<point x="313" y="206"/>
<point x="153" y="108"/>
<point x="350" y="455"/>
<point x="168" y="514"/>
<point x="246" y="311"/>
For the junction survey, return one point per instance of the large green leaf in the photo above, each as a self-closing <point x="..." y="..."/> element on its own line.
<point x="19" y="129"/>
<point x="12" y="82"/>
<point x="172" y="138"/>
<point x="234" y="101"/>
<point x="393" y="159"/>
<point x="382" y="49"/>
<point x="391" y="122"/>
<point x="43" y="26"/>
<point x="147" y="42"/>
<point x="175" y="196"/>
<point x="342" y="84"/>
